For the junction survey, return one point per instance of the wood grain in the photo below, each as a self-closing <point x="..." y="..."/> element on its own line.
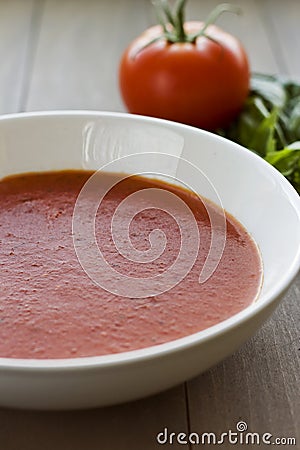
<point x="248" y="27"/>
<point x="282" y="22"/>
<point x="15" y="42"/>
<point x="131" y="426"/>
<point x="259" y="384"/>
<point x="76" y="64"/>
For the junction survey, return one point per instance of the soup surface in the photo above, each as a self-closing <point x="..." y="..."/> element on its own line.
<point x="50" y="307"/>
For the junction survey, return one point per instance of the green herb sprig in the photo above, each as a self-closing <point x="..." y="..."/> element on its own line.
<point x="269" y="125"/>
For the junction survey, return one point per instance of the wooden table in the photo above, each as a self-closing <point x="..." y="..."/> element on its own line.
<point x="63" y="54"/>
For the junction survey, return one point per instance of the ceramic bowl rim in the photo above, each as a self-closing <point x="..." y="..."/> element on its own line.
<point x="181" y="344"/>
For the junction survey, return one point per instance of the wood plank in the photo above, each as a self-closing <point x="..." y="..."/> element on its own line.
<point x="15" y="33"/>
<point x="248" y="27"/>
<point x="79" y="49"/>
<point x="131" y="426"/>
<point x="282" y="23"/>
<point x="75" y="66"/>
<point x="260" y="384"/>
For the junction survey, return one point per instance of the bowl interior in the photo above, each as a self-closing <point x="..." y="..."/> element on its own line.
<point x="247" y="187"/>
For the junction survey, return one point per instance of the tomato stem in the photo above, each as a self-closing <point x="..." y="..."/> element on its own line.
<point x="159" y="16"/>
<point x="168" y="13"/>
<point x="213" y="16"/>
<point x="172" y="21"/>
<point x="179" y="20"/>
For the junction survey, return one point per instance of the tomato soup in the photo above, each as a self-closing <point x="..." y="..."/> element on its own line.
<point x="51" y="308"/>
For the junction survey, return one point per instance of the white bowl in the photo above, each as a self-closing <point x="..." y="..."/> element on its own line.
<point x="250" y="189"/>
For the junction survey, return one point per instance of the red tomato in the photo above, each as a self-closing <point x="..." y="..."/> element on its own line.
<point x="204" y="83"/>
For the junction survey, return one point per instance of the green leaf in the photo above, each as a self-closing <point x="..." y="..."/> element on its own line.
<point x="294" y="120"/>
<point x="292" y="88"/>
<point x="263" y="140"/>
<point x="270" y="89"/>
<point x="294" y="146"/>
<point x="269" y="124"/>
<point x="249" y="121"/>
<point x="287" y="160"/>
